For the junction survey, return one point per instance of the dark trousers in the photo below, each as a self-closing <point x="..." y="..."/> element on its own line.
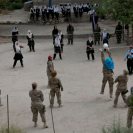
<point x="97" y="42"/>
<point x="15" y="62"/>
<point x="92" y="55"/>
<point x="118" y="37"/>
<point x="14" y="46"/>
<point x="70" y="39"/>
<point x="130" y="65"/>
<point x="57" y="50"/>
<point x="62" y="47"/>
<point x="32" y="48"/>
<point x="31" y="45"/>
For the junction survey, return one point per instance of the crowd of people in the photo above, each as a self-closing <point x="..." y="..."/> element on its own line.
<point x="55" y="83"/>
<point x="54" y="13"/>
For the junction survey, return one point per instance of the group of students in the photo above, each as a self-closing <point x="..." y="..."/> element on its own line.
<point x="44" y="13"/>
<point x="47" y="14"/>
<point x="58" y="39"/>
<point x="17" y="47"/>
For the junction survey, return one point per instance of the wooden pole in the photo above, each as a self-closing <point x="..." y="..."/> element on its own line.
<point x="8" y="130"/>
<point x="0" y="99"/>
<point x="52" y="116"/>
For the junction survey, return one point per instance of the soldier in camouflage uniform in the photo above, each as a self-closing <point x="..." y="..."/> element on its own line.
<point x="56" y="88"/>
<point x="37" y="105"/>
<point x="50" y="68"/>
<point x="107" y="73"/>
<point x="130" y="109"/>
<point x="121" y="87"/>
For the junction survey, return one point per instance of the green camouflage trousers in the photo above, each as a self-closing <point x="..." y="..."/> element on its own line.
<point x="129" y="117"/>
<point x="110" y="80"/>
<point x="117" y="94"/>
<point x="35" y="108"/>
<point x="54" y="92"/>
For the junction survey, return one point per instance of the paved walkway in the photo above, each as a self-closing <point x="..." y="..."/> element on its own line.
<point x="44" y="30"/>
<point x="80" y="28"/>
<point x="17" y="16"/>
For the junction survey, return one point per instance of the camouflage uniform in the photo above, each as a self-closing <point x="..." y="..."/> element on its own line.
<point x="121" y="87"/>
<point x="37" y="105"/>
<point x="130" y="110"/>
<point x="55" y="86"/>
<point x="50" y="69"/>
<point x="107" y="77"/>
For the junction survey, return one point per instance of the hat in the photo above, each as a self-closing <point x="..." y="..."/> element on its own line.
<point x="49" y="57"/>
<point x="54" y="73"/>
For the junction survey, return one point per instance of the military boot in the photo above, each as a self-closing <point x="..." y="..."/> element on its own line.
<point x="45" y="125"/>
<point x="35" y="124"/>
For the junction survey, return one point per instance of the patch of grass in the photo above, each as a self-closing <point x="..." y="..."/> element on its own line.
<point x="12" y="130"/>
<point x="116" y="128"/>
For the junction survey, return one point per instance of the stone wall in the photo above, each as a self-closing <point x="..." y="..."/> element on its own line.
<point x="61" y="1"/>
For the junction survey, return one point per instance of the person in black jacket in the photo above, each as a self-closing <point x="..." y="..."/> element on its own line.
<point x="31" y="43"/>
<point x="14" y="37"/>
<point x="118" y="32"/>
<point x="90" y="49"/>
<point x="18" y="54"/>
<point x="54" y="33"/>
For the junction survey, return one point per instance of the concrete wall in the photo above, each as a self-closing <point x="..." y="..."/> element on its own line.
<point x="61" y="1"/>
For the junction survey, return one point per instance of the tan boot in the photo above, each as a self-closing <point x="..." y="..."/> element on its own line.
<point x="45" y="125"/>
<point x="35" y="124"/>
<point x="115" y="106"/>
<point x="60" y="105"/>
<point x="51" y="106"/>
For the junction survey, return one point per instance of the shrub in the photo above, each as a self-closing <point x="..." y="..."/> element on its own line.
<point x="116" y="128"/>
<point x="11" y="5"/>
<point x="15" y="5"/>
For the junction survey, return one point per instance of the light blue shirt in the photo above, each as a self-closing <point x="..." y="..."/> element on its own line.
<point x="129" y="54"/>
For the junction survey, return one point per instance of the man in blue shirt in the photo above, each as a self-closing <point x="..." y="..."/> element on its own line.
<point x="129" y="58"/>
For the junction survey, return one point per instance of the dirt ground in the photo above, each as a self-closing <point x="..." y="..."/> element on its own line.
<point x="84" y="109"/>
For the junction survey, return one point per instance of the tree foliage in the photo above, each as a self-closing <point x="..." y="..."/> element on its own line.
<point x="120" y="9"/>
